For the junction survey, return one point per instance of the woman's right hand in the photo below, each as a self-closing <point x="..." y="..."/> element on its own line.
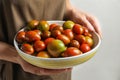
<point x="37" y="70"/>
<point x="11" y="55"/>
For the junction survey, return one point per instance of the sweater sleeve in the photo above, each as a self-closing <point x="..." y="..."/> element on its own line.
<point x="5" y="67"/>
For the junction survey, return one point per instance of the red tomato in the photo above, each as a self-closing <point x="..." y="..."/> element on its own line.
<point x="27" y="48"/>
<point x="80" y="38"/>
<point x="32" y="36"/>
<point x="68" y="33"/>
<point x="60" y="28"/>
<point x="48" y="40"/>
<point x="85" y="48"/>
<point x="55" y="33"/>
<point x="52" y="26"/>
<point x="43" y="54"/>
<point x="38" y="31"/>
<point x="85" y="30"/>
<point x="88" y="34"/>
<point x="78" y="29"/>
<point x="72" y="51"/>
<point x="20" y="37"/>
<point x="63" y="38"/>
<point x="39" y="45"/>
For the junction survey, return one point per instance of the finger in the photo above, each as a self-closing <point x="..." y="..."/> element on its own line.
<point x="31" y="69"/>
<point x="84" y="22"/>
<point x="40" y="71"/>
<point x="43" y="71"/>
<point x="87" y="24"/>
<point x="54" y="71"/>
<point x="94" y="22"/>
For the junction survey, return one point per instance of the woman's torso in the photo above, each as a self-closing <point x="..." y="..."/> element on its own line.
<point x="16" y="13"/>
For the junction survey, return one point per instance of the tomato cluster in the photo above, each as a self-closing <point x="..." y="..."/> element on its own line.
<point x="42" y="39"/>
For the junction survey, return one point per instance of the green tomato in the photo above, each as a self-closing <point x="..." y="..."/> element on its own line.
<point x="43" y="26"/>
<point x="56" y="47"/>
<point x="68" y="24"/>
<point x="32" y="24"/>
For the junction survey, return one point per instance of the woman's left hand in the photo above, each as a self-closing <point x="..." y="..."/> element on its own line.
<point x="83" y="18"/>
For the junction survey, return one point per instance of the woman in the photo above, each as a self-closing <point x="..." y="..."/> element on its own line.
<point x="13" y="15"/>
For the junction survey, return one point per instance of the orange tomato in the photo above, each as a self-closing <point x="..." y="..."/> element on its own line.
<point x="27" y="48"/>
<point x="72" y="51"/>
<point x="60" y="28"/>
<point x="20" y="36"/>
<point x="48" y="40"/>
<point x="68" y="33"/>
<point x="52" y="26"/>
<point x="32" y="36"/>
<point x="55" y="33"/>
<point x="43" y="54"/>
<point x="38" y="31"/>
<point x="39" y="45"/>
<point x="80" y="38"/>
<point x="63" y="38"/>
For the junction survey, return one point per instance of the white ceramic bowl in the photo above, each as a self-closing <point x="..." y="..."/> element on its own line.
<point x="59" y="63"/>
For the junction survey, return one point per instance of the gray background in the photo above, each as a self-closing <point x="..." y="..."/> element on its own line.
<point x="105" y="65"/>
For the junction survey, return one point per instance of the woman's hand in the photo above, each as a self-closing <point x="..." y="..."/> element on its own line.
<point x="39" y="71"/>
<point x="11" y="55"/>
<point x="82" y="18"/>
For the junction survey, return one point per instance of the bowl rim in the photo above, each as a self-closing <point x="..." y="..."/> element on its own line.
<point x="60" y="58"/>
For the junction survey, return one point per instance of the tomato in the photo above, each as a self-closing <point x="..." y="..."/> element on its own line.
<point x="32" y="36"/>
<point x="74" y="43"/>
<point x="89" y="41"/>
<point x="27" y="48"/>
<point x="85" y="48"/>
<point x="60" y="28"/>
<point x="78" y="29"/>
<point x="68" y="33"/>
<point x="38" y="31"/>
<point x="85" y="30"/>
<point x="20" y="37"/>
<point x="48" y="40"/>
<point x="46" y="34"/>
<point x="39" y="45"/>
<point x="63" y="38"/>
<point x="68" y="24"/>
<point x="52" y="26"/>
<point x="43" y="54"/>
<point x="55" y="33"/>
<point x="43" y="26"/>
<point x="72" y="51"/>
<point x="32" y="24"/>
<point x="80" y="38"/>
<point x="56" y="47"/>
<point x="88" y="34"/>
